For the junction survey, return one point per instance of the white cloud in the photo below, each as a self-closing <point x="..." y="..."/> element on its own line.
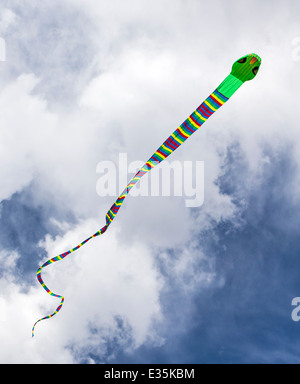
<point x="150" y="67"/>
<point x="105" y="280"/>
<point x="7" y="19"/>
<point x="20" y="133"/>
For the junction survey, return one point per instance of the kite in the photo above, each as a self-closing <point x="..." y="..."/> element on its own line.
<point x="242" y="70"/>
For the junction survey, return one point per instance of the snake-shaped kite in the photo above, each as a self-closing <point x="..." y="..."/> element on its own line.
<point x="242" y="70"/>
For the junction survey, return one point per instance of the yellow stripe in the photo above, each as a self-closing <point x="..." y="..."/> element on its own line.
<point x="150" y="164"/>
<point x="162" y="156"/>
<point x="182" y="132"/>
<point x="177" y="138"/>
<point x="159" y="155"/>
<point x="210" y="106"/>
<point x="201" y="117"/>
<point x="219" y="100"/>
<point x="166" y="148"/>
<point x="194" y="124"/>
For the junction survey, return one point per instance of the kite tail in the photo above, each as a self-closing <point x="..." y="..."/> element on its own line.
<point x="109" y="218"/>
<point x="53" y="260"/>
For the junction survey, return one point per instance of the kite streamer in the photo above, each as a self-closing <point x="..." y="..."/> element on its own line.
<point x="243" y="69"/>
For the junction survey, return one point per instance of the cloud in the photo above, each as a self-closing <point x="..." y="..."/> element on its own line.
<point x="114" y="291"/>
<point x="95" y="79"/>
<point x="20" y="130"/>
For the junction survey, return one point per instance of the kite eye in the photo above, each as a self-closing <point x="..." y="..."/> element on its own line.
<point x="254" y="70"/>
<point x="242" y="60"/>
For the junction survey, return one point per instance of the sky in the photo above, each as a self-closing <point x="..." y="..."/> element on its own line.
<point x="81" y="83"/>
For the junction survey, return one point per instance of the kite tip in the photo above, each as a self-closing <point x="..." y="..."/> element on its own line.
<point x="246" y="67"/>
<point x="33" y="328"/>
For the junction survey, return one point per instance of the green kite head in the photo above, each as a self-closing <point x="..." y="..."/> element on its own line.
<point x="246" y="67"/>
